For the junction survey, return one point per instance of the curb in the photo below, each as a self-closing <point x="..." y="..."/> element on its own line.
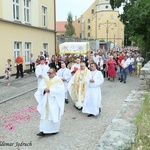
<point x="8" y="99"/>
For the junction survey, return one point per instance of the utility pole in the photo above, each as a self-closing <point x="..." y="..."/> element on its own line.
<point x="114" y="40"/>
<point x="107" y="24"/>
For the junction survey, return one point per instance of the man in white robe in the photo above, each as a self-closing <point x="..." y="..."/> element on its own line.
<point x="65" y="74"/>
<point x="77" y="86"/>
<point x="41" y="70"/>
<point x="50" y="97"/>
<point x="92" y="103"/>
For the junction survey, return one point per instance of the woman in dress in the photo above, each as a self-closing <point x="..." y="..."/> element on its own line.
<point x="8" y="69"/>
<point x="111" y="65"/>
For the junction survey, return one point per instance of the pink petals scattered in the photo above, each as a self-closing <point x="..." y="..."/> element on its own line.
<point x="21" y="115"/>
<point x="9" y="126"/>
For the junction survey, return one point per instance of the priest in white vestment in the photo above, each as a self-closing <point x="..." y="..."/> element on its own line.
<point x="65" y="74"/>
<point x="41" y="70"/>
<point x="77" y="86"/>
<point x="50" y="97"/>
<point x="92" y="103"/>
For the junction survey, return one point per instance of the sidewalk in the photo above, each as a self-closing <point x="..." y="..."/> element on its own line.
<point x="18" y="87"/>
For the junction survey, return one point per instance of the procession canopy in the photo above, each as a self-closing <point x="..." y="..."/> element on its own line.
<point x="74" y="48"/>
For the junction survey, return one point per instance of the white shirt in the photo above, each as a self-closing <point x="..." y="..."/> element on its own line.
<point x="32" y="60"/>
<point x="100" y="64"/>
<point x="131" y="60"/>
<point x="125" y="63"/>
<point x="47" y="60"/>
<point x="95" y="58"/>
<point x="139" y="60"/>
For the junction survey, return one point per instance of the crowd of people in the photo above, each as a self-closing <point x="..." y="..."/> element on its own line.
<point x="79" y="76"/>
<point x="112" y="63"/>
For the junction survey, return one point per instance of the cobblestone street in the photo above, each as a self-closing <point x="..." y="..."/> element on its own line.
<point x="19" y="120"/>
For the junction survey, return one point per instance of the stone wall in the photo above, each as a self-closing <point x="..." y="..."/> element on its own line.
<point x="120" y="134"/>
<point x="145" y="77"/>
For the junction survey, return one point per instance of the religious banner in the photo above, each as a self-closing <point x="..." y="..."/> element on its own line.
<point x="74" y="48"/>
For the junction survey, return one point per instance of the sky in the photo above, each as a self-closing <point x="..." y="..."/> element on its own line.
<point x="76" y="7"/>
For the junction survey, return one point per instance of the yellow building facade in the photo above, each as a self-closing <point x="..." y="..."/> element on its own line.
<point x="100" y="22"/>
<point x="26" y="26"/>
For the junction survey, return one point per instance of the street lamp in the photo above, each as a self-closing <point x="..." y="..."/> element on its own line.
<point x="107" y="24"/>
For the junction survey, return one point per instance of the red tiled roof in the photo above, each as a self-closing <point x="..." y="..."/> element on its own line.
<point x="60" y="26"/>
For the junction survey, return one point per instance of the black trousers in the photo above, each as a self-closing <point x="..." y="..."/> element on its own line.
<point x="32" y="66"/>
<point x="105" y="73"/>
<point x="19" y="69"/>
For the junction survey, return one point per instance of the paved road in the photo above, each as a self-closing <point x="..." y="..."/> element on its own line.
<point x="19" y="120"/>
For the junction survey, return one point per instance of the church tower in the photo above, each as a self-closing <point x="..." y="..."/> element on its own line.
<point x="103" y="5"/>
<point x="100" y="22"/>
<point x="109" y="27"/>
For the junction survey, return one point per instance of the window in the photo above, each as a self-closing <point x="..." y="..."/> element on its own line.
<point x="16" y="49"/>
<point x="106" y="7"/>
<point x="78" y="21"/>
<point x="80" y="35"/>
<point x="45" y="47"/>
<point x="89" y="27"/>
<point x="89" y="35"/>
<point x="26" y="11"/>
<point x="16" y="11"/>
<point x="92" y="11"/>
<point x="44" y="10"/>
<point x="88" y="20"/>
<point x="101" y="15"/>
<point x="112" y="16"/>
<point x="27" y="52"/>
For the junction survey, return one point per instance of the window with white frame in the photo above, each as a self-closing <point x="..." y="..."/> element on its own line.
<point x="27" y="52"/>
<point x="45" y="47"/>
<point x="17" y="46"/>
<point x="27" y="11"/>
<point x="16" y="10"/>
<point x="44" y="12"/>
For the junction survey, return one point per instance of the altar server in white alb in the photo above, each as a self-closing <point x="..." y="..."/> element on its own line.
<point x="92" y="102"/>
<point x="75" y="66"/>
<point x="41" y="70"/>
<point x="51" y="98"/>
<point x="65" y="74"/>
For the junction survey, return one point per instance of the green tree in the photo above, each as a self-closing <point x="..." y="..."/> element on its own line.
<point x="70" y="30"/>
<point x="102" y="40"/>
<point x="136" y="18"/>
